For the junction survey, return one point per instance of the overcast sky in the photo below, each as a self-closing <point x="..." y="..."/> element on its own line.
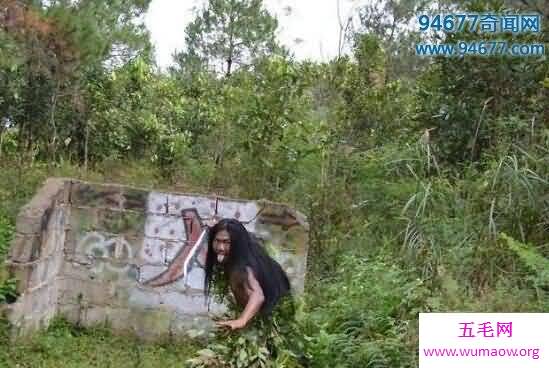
<point x="315" y="22"/>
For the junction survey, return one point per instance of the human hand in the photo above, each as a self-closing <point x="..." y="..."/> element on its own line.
<point x="235" y="324"/>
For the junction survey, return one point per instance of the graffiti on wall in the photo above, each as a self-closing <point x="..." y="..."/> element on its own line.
<point x="169" y="246"/>
<point x="100" y="245"/>
<point x="176" y="233"/>
<point x="192" y="254"/>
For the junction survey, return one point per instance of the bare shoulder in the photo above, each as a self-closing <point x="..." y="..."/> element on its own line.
<point x="252" y="281"/>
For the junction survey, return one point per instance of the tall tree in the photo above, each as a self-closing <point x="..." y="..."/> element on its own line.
<point x="58" y="45"/>
<point x="393" y="22"/>
<point x="389" y="21"/>
<point x="227" y="34"/>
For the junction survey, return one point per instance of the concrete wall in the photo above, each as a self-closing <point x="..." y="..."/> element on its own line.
<point x="36" y="256"/>
<point x="107" y="253"/>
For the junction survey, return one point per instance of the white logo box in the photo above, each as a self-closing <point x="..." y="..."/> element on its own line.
<point x="448" y="340"/>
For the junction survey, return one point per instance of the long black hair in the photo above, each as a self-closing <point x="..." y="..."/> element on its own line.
<point x="245" y="251"/>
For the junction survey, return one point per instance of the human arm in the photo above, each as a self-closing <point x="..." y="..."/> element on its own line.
<point x="255" y="297"/>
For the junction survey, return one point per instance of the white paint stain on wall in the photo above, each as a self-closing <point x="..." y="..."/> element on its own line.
<point x="153" y="250"/>
<point x="116" y="249"/>
<point x="165" y="227"/>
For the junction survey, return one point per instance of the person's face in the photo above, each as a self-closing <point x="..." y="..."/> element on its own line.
<point x="222" y="245"/>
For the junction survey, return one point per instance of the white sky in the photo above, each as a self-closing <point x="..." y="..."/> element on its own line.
<point x="313" y="21"/>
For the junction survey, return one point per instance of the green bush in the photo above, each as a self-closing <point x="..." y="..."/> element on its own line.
<point x="63" y="344"/>
<point x="365" y="315"/>
<point x="8" y="292"/>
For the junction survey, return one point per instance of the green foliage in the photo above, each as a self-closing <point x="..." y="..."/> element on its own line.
<point x="477" y="104"/>
<point x="57" y="47"/>
<point x="267" y="342"/>
<point x="251" y="348"/>
<point x="535" y="261"/>
<point x="265" y="107"/>
<point x="364" y="315"/>
<point x="389" y="22"/>
<point x="226" y="35"/>
<point x="6" y="233"/>
<point x="8" y="292"/>
<point x="74" y="347"/>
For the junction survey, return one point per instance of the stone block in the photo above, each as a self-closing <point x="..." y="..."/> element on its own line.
<point x="28" y="247"/>
<point x="39" y="273"/>
<point x="53" y="270"/>
<point x="29" y="224"/>
<point x="178" y="285"/>
<point x="96" y="244"/>
<point x="205" y="206"/>
<point x="77" y="270"/>
<point x="25" y="248"/>
<point x="279" y="214"/>
<point x="165" y="227"/>
<point x="121" y="273"/>
<point x="141" y="297"/>
<point x="53" y="241"/>
<point x="134" y="199"/>
<point x="157" y="203"/>
<point x="244" y="211"/>
<point x="22" y="274"/>
<point x="85" y="292"/>
<point x="297" y="282"/>
<point x="128" y="223"/>
<point x="94" y="315"/>
<point x="83" y="219"/>
<point x="75" y="241"/>
<point x="57" y="219"/>
<point x="297" y="241"/>
<point x="102" y="246"/>
<point x="148" y="272"/>
<point x="37" y="302"/>
<point x="119" y="319"/>
<point x="64" y="195"/>
<point x="101" y="271"/>
<point x="71" y="312"/>
<point x="153" y="251"/>
<point x="294" y="239"/>
<point x="85" y="315"/>
<point x="184" y="303"/>
<point x="96" y="195"/>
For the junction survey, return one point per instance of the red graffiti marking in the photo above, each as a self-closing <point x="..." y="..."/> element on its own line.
<point x="193" y="229"/>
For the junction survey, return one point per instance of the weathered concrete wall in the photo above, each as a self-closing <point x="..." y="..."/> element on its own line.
<point x="36" y="256"/>
<point x="107" y="253"/>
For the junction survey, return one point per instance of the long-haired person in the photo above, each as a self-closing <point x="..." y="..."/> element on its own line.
<point x="256" y="280"/>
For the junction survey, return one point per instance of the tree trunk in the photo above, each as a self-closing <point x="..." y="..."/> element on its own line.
<point x="229" y="65"/>
<point x="86" y="140"/>
<point x="53" y="144"/>
<point x="231" y="43"/>
<point x="2" y="128"/>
